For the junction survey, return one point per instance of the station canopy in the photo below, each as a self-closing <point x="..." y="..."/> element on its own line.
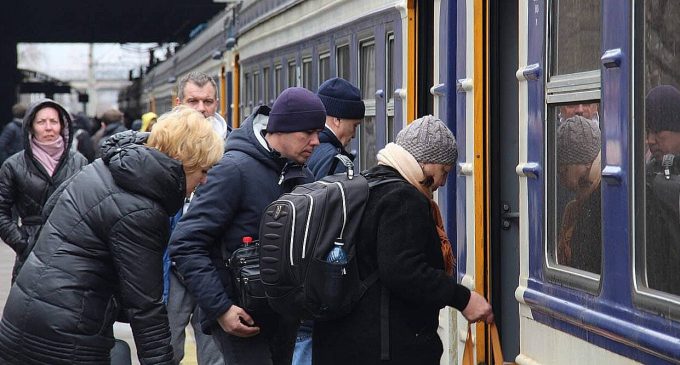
<point x="104" y="21"/>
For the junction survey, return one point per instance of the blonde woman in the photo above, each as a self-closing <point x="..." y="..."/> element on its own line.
<point x="99" y="255"/>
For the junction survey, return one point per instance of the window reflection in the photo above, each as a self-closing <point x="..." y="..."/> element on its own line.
<point x="662" y="188"/>
<point x="575" y="43"/>
<point x="659" y="149"/>
<point x="576" y="187"/>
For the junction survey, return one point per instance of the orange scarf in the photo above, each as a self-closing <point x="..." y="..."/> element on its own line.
<point x="401" y="160"/>
<point x="447" y="249"/>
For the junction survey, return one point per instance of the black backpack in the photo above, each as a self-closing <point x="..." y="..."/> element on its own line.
<point x="298" y="230"/>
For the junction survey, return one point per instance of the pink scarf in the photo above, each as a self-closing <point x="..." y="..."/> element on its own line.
<point x="48" y="153"/>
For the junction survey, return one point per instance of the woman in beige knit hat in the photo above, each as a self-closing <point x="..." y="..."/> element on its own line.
<point x="402" y="237"/>
<point x="579" y="239"/>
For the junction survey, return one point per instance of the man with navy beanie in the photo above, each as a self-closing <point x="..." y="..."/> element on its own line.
<point x="662" y="194"/>
<point x="264" y="159"/>
<point x="344" y="112"/>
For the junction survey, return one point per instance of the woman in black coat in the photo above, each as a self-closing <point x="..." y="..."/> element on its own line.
<point x="402" y="238"/>
<point x="29" y="177"/>
<point x="99" y="255"/>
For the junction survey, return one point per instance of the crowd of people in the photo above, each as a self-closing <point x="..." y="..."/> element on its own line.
<point x="110" y="224"/>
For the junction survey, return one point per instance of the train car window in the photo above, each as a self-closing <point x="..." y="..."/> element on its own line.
<point x="342" y="61"/>
<point x="257" y="94"/>
<point x="324" y="67"/>
<point x="248" y="92"/>
<point x="574" y="171"/>
<point x="266" y="88"/>
<point x="307" y="73"/>
<point x="292" y="74"/>
<point x="278" y="80"/>
<point x="575" y="36"/>
<point x="367" y="76"/>
<point x="389" y="93"/>
<point x="657" y="152"/>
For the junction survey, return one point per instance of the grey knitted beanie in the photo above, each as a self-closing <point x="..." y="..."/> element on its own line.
<point x="429" y="141"/>
<point x="578" y="141"/>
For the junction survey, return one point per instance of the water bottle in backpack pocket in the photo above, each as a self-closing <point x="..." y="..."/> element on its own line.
<point x="244" y="265"/>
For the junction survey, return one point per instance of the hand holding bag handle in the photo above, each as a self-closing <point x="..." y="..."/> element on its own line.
<point x="468" y="356"/>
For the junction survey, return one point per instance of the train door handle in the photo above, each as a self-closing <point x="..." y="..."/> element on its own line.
<point x="438" y="90"/>
<point x="508" y="216"/>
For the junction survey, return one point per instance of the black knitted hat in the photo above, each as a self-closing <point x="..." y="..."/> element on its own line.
<point x="662" y="109"/>
<point x="296" y="109"/>
<point x="341" y="99"/>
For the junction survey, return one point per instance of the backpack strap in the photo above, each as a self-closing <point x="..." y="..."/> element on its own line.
<point x="345" y="161"/>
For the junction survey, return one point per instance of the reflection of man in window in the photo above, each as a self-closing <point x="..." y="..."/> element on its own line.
<point x="578" y="167"/>
<point x="662" y="246"/>
<point x="586" y="110"/>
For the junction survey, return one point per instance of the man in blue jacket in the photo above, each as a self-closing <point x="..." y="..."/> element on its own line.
<point x="344" y="112"/>
<point x="12" y="137"/>
<point x="265" y="158"/>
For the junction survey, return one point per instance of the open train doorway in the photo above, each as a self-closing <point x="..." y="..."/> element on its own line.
<point x="504" y="184"/>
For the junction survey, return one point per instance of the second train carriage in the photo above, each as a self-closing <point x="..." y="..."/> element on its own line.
<point x="503" y="75"/>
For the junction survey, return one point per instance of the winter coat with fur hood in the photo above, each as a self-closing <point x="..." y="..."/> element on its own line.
<point x="98" y="258"/>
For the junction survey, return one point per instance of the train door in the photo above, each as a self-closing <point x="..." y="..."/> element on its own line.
<point x="504" y="187"/>
<point x="486" y="188"/>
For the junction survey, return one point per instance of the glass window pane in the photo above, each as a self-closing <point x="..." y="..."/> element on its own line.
<point x="575" y="39"/>
<point x="266" y="83"/>
<point x="661" y="147"/>
<point x="390" y="129"/>
<point x="367" y="70"/>
<point x="307" y="73"/>
<point x="278" y="84"/>
<point x="342" y="61"/>
<point x="257" y="96"/>
<point x="367" y="139"/>
<point x="390" y="66"/>
<point x="574" y="170"/>
<point x="292" y="74"/>
<point x="324" y="67"/>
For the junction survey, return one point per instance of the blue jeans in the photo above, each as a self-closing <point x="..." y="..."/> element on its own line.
<point x="303" y="346"/>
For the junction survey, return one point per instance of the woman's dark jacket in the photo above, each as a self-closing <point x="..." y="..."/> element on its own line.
<point x="225" y="209"/>
<point x="399" y="239"/>
<point x="25" y="185"/>
<point x="98" y="258"/>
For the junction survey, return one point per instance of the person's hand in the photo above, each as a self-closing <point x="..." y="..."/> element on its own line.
<point x="478" y="309"/>
<point x="238" y="322"/>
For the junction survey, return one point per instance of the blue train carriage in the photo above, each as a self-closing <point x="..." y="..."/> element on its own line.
<point x="597" y="284"/>
<point x="288" y="43"/>
<point x="521" y="76"/>
<point x="206" y="51"/>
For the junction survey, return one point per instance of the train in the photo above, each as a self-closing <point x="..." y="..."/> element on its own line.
<point x="503" y="75"/>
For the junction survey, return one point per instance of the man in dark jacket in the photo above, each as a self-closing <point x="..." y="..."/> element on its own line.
<point x="344" y="112"/>
<point x="264" y="159"/>
<point x="662" y="243"/>
<point x="113" y="123"/>
<point x="11" y="140"/>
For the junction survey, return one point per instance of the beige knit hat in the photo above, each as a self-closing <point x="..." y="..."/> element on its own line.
<point x="578" y="141"/>
<point x="429" y="140"/>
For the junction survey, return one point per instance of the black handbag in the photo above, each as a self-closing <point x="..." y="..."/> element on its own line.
<point x="244" y="265"/>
